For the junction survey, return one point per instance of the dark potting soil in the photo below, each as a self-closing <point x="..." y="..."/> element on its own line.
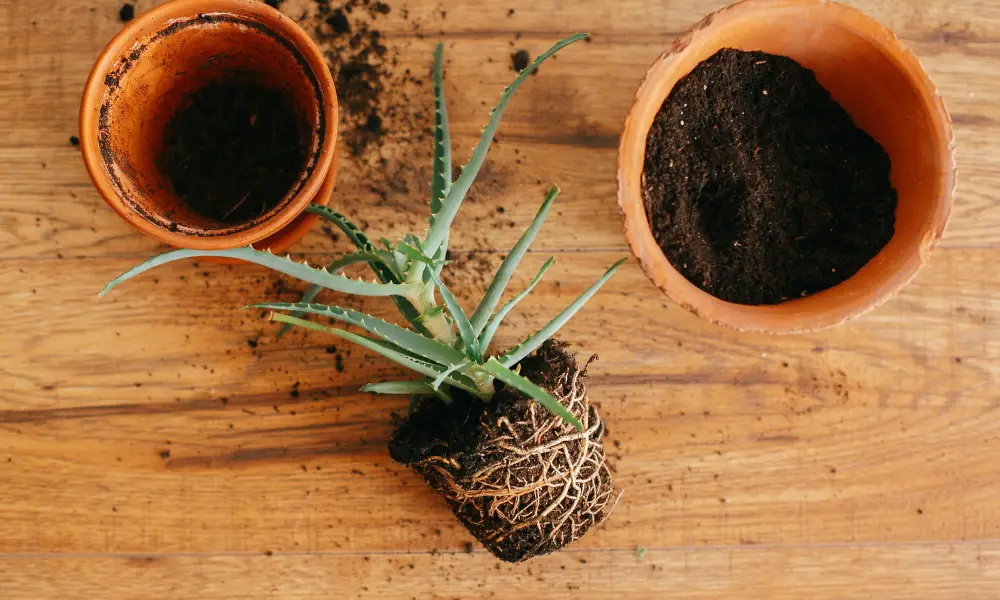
<point x="433" y="427"/>
<point x="758" y="186"/>
<point x="126" y="13"/>
<point x="520" y="60"/>
<point x="233" y="151"/>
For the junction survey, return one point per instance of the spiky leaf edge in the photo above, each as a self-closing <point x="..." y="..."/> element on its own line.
<point x="388" y="350"/>
<point x="525" y="386"/>
<point x="530" y="344"/>
<point x="281" y="264"/>
<point x="426" y="348"/>
<point x="451" y="204"/>
<point x="491" y="328"/>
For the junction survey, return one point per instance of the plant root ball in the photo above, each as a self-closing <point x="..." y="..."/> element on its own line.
<point x="522" y="481"/>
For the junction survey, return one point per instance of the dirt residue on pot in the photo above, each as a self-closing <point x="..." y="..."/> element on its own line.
<point x="758" y="186"/>
<point x="233" y="151"/>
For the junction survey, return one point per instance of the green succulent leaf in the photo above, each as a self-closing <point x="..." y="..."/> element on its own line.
<point x="401" y="388"/>
<point x="442" y="256"/>
<point x="441" y="176"/>
<point x="450" y="205"/>
<point x="414" y="389"/>
<point x="284" y="265"/>
<point x="440" y="379"/>
<point x="388" y="350"/>
<point x="352" y="231"/>
<point x="384" y="274"/>
<point x="526" y="387"/>
<point x="426" y="348"/>
<point x="469" y="340"/>
<point x="347" y="260"/>
<point x="416" y="255"/>
<point x="489" y="302"/>
<point x="487" y="335"/>
<point x="532" y="343"/>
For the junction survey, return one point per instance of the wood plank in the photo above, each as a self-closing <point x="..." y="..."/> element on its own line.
<point x="724" y="438"/>
<point x="970" y="571"/>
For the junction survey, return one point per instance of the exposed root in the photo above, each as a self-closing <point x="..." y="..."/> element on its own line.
<point x="532" y="483"/>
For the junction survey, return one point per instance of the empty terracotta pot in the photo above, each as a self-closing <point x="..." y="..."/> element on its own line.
<point x="887" y="93"/>
<point x="152" y="68"/>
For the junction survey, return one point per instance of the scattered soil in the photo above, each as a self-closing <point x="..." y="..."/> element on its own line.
<point x="126" y="13"/>
<point x="520" y="60"/>
<point x="370" y="91"/>
<point x="234" y="151"/>
<point x="464" y="453"/>
<point x="759" y="187"/>
<point x="74" y="141"/>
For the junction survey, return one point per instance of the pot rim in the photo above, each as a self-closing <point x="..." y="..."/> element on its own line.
<point x="156" y="20"/>
<point x="792" y="317"/>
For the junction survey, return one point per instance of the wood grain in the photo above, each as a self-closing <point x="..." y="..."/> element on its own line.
<point x="970" y="571"/>
<point x="159" y="443"/>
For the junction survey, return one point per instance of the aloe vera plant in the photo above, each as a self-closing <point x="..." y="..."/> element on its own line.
<point x="451" y="350"/>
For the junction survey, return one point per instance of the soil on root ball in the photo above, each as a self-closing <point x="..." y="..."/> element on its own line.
<point x="522" y="481"/>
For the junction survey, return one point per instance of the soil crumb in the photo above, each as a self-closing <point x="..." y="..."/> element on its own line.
<point x="234" y="150"/>
<point x="373" y="93"/>
<point x="74" y="141"/>
<point x="758" y="186"/>
<point x="520" y="60"/>
<point x="126" y="13"/>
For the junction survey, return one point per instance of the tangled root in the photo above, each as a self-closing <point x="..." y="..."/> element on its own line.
<point x="531" y="483"/>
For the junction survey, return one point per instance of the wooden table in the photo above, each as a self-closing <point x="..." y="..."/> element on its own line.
<point x="148" y="451"/>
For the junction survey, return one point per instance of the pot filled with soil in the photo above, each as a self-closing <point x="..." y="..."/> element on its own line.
<point x="212" y="124"/>
<point x="787" y="165"/>
<point x="509" y="439"/>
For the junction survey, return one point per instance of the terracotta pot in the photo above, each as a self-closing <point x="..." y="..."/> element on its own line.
<point x="878" y="81"/>
<point x="150" y="69"/>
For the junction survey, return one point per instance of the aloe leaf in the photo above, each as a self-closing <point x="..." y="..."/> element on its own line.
<point x="442" y="256"/>
<point x="469" y="339"/>
<point x="487" y="335"/>
<point x="523" y="385"/>
<point x="532" y="343"/>
<point x="385" y="275"/>
<point x="401" y="388"/>
<point x="450" y="205"/>
<point x="430" y="350"/>
<point x="284" y="265"/>
<point x="441" y="176"/>
<point x="416" y="255"/>
<point x="489" y="302"/>
<point x="388" y="350"/>
<point x="314" y="290"/>
<point x="443" y="376"/>
<point x="357" y="237"/>
<point x="416" y="389"/>
<point x="352" y="231"/>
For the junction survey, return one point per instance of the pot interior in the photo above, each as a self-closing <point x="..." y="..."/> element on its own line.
<point x="158" y="77"/>
<point x="882" y="87"/>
